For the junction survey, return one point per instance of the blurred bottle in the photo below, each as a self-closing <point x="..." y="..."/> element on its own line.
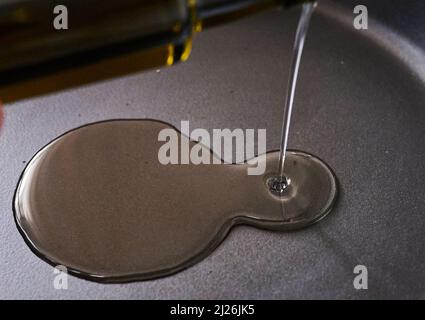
<point x="105" y="38"/>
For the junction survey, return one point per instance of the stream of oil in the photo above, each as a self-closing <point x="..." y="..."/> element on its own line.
<point x="98" y="201"/>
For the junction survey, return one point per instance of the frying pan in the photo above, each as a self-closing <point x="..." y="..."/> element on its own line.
<point x="360" y="106"/>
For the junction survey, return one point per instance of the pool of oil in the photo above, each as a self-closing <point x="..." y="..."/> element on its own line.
<point x="98" y="201"/>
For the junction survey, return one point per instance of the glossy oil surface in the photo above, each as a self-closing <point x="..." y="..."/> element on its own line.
<point x="98" y="201"/>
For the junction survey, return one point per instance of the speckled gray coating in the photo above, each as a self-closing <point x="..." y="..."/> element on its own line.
<point x="360" y="107"/>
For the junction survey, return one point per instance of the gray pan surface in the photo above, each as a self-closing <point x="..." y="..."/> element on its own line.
<point x="360" y="106"/>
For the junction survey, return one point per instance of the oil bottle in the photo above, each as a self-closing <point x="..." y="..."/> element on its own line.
<point x="102" y="39"/>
